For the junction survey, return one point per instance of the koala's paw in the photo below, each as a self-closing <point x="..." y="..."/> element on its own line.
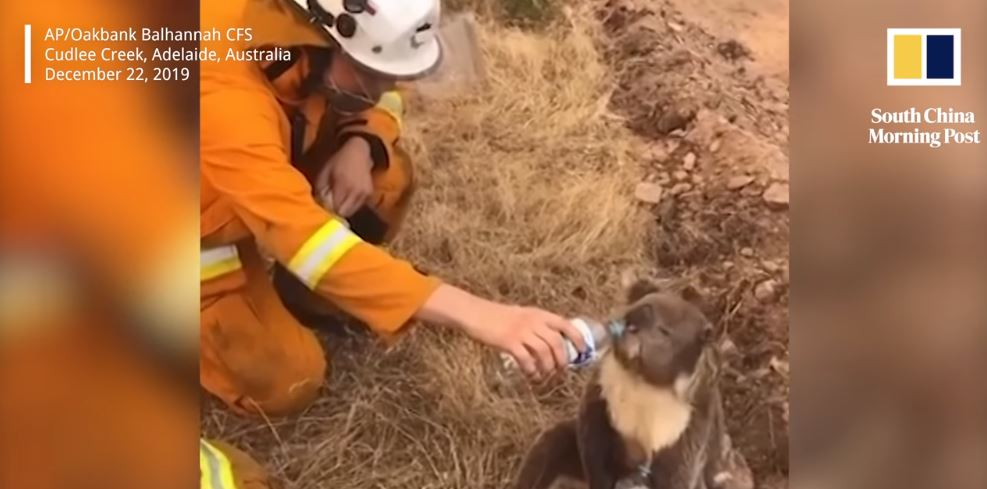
<point x="734" y="474"/>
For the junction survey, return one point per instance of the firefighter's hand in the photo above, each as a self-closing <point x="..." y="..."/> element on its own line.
<point x="531" y="335"/>
<point x="347" y="176"/>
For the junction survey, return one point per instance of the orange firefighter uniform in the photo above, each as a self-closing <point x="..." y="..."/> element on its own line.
<point x="254" y="355"/>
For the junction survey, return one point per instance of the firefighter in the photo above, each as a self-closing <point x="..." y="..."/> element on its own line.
<point x="300" y="162"/>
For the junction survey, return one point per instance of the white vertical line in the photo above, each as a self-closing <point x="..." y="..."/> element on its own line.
<point x="27" y="54"/>
<point x="890" y="55"/>
<point x="958" y="57"/>
<point x="925" y="56"/>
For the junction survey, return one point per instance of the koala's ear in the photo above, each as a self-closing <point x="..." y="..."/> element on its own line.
<point x="639" y="289"/>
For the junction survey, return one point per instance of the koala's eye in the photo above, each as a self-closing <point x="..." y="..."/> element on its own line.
<point x="641" y="316"/>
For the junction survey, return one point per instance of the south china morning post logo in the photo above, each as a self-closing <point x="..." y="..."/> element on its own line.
<point x="924" y="57"/>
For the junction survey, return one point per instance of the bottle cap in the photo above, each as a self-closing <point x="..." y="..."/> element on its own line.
<point x="616" y="328"/>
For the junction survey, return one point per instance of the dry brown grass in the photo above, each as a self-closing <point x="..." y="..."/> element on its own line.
<point x="525" y="196"/>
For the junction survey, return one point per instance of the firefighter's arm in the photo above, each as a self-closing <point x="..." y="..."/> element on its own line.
<point x="243" y="157"/>
<point x="380" y="126"/>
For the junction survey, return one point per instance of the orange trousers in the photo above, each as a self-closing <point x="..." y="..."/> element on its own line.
<point x="254" y="355"/>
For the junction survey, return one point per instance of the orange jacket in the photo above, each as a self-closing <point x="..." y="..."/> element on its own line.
<point x="249" y="188"/>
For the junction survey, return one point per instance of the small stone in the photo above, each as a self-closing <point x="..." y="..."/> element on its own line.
<point x="681" y="188"/>
<point x="678" y="133"/>
<point x="760" y="373"/>
<point x="770" y="266"/>
<point x="740" y="181"/>
<point x="766" y="291"/>
<point x="728" y="264"/>
<point x="648" y="192"/>
<point x="689" y="162"/>
<point x="713" y="148"/>
<point x="671" y="121"/>
<point x="675" y="27"/>
<point x="748" y="252"/>
<point x="680" y="175"/>
<point x="780" y="366"/>
<point x="658" y="153"/>
<point x="776" y="196"/>
<point x="727" y="347"/>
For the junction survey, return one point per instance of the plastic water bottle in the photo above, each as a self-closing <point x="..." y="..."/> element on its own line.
<point x="597" y="337"/>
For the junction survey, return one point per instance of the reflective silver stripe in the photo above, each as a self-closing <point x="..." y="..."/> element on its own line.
<point x="214" y="262"/>
<point x="392" y="103"/>
<point x="319" y="254"/>
<point x="212" y="256"/>
<point x="215" y="467"/>
<point x="321" y="251"/>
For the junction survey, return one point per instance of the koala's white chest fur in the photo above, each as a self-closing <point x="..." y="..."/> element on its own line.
<point x="653" y="417"/>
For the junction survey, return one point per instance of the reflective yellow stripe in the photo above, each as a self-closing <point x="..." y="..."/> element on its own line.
<point x="221" y="260"/>
<point x="321" y="251"/>
<point x="215" y="469"/>
<point x="392" y="103"/>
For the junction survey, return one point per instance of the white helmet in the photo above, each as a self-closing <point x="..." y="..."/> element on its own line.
<point x="395" y="38"/>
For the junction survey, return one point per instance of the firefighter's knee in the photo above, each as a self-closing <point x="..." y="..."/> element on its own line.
<point x="295" y="383"/>
<point x="257" y="359"/>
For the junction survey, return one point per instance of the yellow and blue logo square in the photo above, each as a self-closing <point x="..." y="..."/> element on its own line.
<point x="924" y="57"/>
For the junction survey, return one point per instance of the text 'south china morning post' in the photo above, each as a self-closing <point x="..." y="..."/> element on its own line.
<point x="59" y="54"/>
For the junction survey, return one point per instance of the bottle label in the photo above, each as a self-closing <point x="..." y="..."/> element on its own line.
<point x="577" y="358"/>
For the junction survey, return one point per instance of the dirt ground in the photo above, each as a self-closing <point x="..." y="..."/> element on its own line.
<point x="631" y="134"/>
<point x="707" y="87"/>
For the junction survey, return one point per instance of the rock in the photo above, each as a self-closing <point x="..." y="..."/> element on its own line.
<point x="727" y="347"/>
<point x="648" y="192"/>
<point x="740" y="181"/>
<point x="766" y="291"/>
<point x="777" y="165"/>
<point x="678" y="133"/>
<point x="671" y="121"/>
<point x="728" y="264"/>
<point x="748" y="252"/>
<point x="689" y="162"/>
<point x="680" y="175"/>
<point x="777" y="107"/>
<point x="675" y="27"/>
<point x="780" y="366"/>
<point x="715" y="146"/>
<point x="776" y="196"/>
<point x="770" y="266"/>
<point x="681" y="188"/>
<point x="658" y="153"/>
